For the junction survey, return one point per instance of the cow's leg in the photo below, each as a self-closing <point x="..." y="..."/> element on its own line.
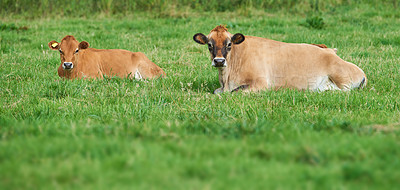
<point x="347" y="76"/>
<point x="258" y="84"/>
<point x="242" y="87"/>
<point x="137" y="75"/>
<point x="144" y="67"/>
<point x="322" y="83"/>
<point x="255" y="85"/>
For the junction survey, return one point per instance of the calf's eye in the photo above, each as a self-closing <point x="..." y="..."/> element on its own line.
<point x="60" y="51"/>
<point x="76" y="51"/>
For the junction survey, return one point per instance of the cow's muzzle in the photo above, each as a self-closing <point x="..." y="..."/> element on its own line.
<point x="219" y="62"/>
<point x="67" y="65"/>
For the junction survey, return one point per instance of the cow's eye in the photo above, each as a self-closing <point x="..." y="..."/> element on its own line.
<point x="76" y="51"/>
<point x="229" y="45"/>
<point x="209" y="46"/>
<point x="60" y="51"/>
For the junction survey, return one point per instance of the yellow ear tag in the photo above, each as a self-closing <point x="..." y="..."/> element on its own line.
<point x="54" y="45"/>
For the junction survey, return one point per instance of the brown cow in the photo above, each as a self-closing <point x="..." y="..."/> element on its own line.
<point x="79" y="61"/>
<point x="254" y="63"/>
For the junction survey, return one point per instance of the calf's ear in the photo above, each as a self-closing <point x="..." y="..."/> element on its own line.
<point x="54" y="45"/>
<point x="237" y="38"/>
<point x="200" y="38"/>
<point x="83" y="45"/>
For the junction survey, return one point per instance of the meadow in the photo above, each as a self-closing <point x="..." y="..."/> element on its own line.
<point x="173" y="133"/>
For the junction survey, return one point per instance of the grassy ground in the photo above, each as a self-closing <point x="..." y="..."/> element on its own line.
<point x="173" y="133"/>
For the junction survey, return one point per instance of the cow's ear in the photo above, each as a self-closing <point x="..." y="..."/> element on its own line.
<point x="54" y="45"/>
<point x="237" y="38"/>
<point x="200" y="38"/>
<point x="83" y="45"/>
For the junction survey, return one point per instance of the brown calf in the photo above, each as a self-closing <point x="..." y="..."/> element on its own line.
<point x="79" y="61"/>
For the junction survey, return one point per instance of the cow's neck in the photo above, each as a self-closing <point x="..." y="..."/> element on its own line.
<point x="223" y="77"/>
<point x="229" y="77"/>
<point x="63" y="73"/>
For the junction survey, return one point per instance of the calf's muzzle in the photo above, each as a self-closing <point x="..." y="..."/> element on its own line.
<point x="68" y="65"/>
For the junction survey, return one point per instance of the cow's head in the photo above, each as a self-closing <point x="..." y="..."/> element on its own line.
<point x="68" y="48"/>
<point x="219" y="43"/>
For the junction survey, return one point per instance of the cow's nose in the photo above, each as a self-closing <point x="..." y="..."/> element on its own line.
<point x="67" y="65"/>
<point x="219" y="62"/>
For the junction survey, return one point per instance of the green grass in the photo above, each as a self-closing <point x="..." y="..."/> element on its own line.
<point x="173" y="133"/>
<point x="171" y="8"/>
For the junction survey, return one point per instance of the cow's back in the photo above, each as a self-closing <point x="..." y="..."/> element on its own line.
<point x="118" y="62"/>
<point x="283" y="64"/>
<point x="95" y="63"/>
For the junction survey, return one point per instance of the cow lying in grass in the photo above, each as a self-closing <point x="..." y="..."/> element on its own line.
<point x="79" y="61"/>
<point x="253" y="63"/>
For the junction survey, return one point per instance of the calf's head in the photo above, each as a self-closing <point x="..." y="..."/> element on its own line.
<point x="219" y="43"/>
<point x="69" y="49"/>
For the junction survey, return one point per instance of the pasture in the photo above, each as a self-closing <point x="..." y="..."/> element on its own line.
<point x="173" y="133"/>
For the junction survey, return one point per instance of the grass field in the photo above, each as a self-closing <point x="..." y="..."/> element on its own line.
<point x="173" y="133"/>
